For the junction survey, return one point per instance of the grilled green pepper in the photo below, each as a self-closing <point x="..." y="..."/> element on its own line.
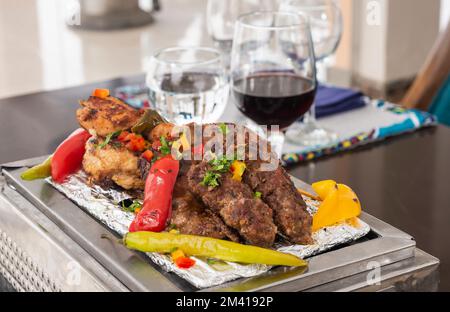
<point x="208" y="247"/>
<point x="40" y="171"/>
<point x="149" y="120"/>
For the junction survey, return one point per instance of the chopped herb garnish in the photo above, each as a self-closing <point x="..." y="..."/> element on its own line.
<point x="257" y="195"/>
<point x="221" y="165"/>
<point x="131" y="208"/>
<point x="218" y="166"/>
<point x="117" y="144"/>
<point x="108" y="138"/>
<point x="165" y="146"/>
<point x="223" y="128"/>
<point x="211" y="179"/>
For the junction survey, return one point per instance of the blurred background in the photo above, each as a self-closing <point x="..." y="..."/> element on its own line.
<point x="384" y="43"/>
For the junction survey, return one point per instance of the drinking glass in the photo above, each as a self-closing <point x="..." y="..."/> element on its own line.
<point x="221" y="16"/>
<point x="273" y="69"/>
<point x="188" y="84"/>
<point x="326" y="27"/>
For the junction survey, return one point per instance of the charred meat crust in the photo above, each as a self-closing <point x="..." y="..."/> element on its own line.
<point x="279" y="192"/>
<point x="190" y="216"/>
<point x="235" y="204"/>
<point x="107" y="115"/>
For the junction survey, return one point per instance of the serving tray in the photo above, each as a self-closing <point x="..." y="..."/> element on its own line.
<point x="384" y="245"/>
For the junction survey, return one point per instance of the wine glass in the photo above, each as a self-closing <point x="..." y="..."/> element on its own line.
<point x="273" y="74"/>
<point x="326" y="28"/>
<point x="188" y="84"/>
<point x="221" y="16"/>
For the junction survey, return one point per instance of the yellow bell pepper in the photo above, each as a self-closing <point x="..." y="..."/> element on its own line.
<point x="339" y="204"/>
<point x="324" y="188"/>
<point x="238" y="169"/>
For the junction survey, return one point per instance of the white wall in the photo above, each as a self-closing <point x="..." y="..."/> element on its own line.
<point x="394" y="44"/>
<point x="445" y="13"/>
<point x="413" y="27"/>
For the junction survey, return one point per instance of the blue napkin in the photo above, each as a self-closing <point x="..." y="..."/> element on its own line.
<point x="333" y="100"/>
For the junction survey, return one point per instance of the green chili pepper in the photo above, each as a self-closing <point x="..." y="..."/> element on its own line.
<point x="208" y="247"/>
<point x="41" y="171"/>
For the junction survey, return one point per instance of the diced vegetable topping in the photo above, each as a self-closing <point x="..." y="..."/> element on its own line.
<point x="133" y="142"/>
<point x="180" y="259"/>
<point x="123" y="136"/>
<point x="238" y="169"/>
<point x="101" y="93"/>
<point x="148" y="155"/>
<point x="134" y="207"/>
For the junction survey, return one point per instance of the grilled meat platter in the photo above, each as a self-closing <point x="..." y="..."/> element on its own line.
<point x="198" y="190"/>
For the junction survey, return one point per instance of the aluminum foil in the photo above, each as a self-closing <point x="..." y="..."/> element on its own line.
<point x="103" y="204"/>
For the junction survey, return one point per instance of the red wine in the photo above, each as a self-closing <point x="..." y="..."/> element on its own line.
<point x="274" y="98"/>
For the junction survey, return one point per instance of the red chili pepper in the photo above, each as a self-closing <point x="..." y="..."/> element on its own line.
<point x="184" y="262"/>
<point x="68" y="156"/>
<point x="157" y="207"/>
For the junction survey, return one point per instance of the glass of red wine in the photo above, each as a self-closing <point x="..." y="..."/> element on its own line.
<point x="273" y="70"/>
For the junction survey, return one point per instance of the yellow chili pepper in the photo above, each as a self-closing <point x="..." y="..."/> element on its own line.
<point x="40" y="171"/>
<point x="209" y="248"/>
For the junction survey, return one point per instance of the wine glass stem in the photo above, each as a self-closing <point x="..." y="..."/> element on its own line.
<point x="310" y="116"/>
<point x="277" y="139"/>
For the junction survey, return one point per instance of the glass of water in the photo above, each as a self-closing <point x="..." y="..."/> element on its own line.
<point x="188" y="84"/>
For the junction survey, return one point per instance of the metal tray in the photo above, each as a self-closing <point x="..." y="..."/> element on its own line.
<point x="384" y="245"/>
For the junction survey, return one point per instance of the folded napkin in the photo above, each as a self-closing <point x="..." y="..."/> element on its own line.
<point x="332" y="100"/>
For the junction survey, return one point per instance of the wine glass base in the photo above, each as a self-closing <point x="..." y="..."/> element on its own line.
<point x="311" y="135"/>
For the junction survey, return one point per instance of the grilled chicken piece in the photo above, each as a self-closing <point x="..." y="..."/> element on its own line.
<point x="111" y="163"/>
<point x="107" y="115"/>
<point x="236" y="205"/>
<point x="279" y="192"/>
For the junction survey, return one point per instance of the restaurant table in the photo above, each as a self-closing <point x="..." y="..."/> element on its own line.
<point x="403" y="181"/>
